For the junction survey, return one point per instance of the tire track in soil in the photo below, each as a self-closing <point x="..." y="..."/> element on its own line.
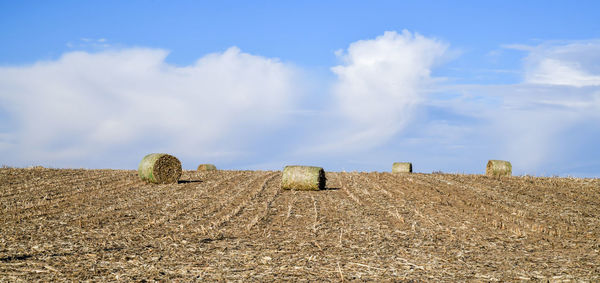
<point x="250" y="215"/>
<point x="338" y="237"/>
<point x="286" y="208"/>
<point x="283" y="209"/>
<point x="214" y="203"/>
<point x="358" y="192"/>
<point x="420" y="226"/>
<point x="302" y="227"/>
<point x="238" y="208"/>
<point x="151" y="197"/>
<point x="400" y="199"/>
<point x="200" y="201"/>
<point x="397" y="208"/>
<point x="342" y="236"/>
<point x="404" y="232"/>
<point x="360" y="234"/>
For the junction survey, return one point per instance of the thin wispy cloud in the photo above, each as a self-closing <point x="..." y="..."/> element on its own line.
<point x="85" y="43"/>
<point x="535" y="122"/>
<point x="574" y="64"/>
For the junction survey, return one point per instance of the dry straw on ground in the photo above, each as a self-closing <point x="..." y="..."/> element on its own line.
<point x="160" y="168"/>
<point x="402" y="167"/>
<point x="238" y="226"/>
<point x="498" y="168"/>
<point x="303" y="178"/>
<point x="207" y="167"/>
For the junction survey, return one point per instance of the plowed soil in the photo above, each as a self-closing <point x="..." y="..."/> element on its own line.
<point x="107" y="225"/>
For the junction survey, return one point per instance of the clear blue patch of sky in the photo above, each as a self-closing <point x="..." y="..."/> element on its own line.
<point x="304" y="32"/>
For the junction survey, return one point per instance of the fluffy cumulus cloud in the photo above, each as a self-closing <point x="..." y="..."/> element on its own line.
<point x="379" y="83"/>
<point x="111" y="107"/>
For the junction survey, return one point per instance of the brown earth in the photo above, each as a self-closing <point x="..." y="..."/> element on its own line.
<point x="106" y="225"/>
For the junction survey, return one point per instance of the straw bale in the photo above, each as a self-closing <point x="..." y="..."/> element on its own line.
<point x="402" y="167"/>
<point x="498" y="168"/>
<point x="160" y="168"/>
<point x="303" y="178"/>
<point x="207" y="167"/>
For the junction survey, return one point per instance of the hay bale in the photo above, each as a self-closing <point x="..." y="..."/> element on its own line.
<point x="303" y="178"/>
<point x="159" y="168"/>
<point x="402" y="167"/>
<point x="207" y="167"/>
<point x="498" y="168"/>
<point x="37" y="167"/>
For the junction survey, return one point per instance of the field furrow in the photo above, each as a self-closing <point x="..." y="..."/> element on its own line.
<point x="242" y="201"/>
<point x="107" y="225"/>
<point x="253" y="213"/>
<point x="40" y="192"/>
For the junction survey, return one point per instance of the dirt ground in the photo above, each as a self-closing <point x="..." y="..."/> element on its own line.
<point x="107" y="225"/>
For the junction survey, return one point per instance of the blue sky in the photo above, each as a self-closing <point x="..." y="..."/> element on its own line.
<point x="348" y="85"/>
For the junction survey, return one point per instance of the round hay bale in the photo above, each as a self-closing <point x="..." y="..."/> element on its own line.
<point x="159" y="168"/>
<point x="498" y="168"/>
<point x="37" y="167"/>
<point x="207" y="167"/>
<point x="303" y="178"/>
<point x="402" y="167"/>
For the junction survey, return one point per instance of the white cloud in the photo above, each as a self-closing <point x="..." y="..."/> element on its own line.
<point x="573" y="64"/>
<point x="378" y="85"/>
<point x="84" y="106"/>
<point x="91" y="108"/>
<point x="557" y="72"/>
<point x="560" y="94"/>
<point x="533" y="126"/>
<point x="534" y="123"/>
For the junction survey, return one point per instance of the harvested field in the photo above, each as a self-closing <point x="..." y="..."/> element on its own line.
<point x="239" y="225"/>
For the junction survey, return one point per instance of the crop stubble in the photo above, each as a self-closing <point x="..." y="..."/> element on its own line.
<point x="239" y="225"/>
